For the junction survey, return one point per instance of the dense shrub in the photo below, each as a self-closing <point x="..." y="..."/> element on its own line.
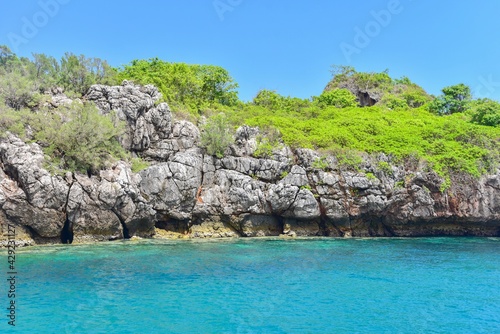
<point x="486" y="112"/>
<point x="216" y="135"/>
<point x="340" y="98"/>
<point x="273" y="101"/>
<point x="188" y="86"/>
<point x="74" y="138"/>
<point x="446" y="144"/>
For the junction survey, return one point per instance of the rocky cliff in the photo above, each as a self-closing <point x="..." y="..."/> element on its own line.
<point x="187" y="193"/>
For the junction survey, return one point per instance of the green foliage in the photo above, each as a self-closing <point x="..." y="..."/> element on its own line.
<point x="264" y="148"/>
<point x="321" y="163"/>
<point x="486" y="112"/>
<point x="349" y="159"/>
<point x="192" y="87"/>
<point x="356" y="82"/>
<point x="283" y="174"/>
<point x="78" y="73"/>
<point x="370" y="176"/>
<point x="340" y="98"/>
<point x="444" y="143"/>
<point x="267" y="142"/>
<point x="306" y="187"/>
<point x="399" y="184"/>
<point x="392" y="93"/>
<point x="18" y="91"/>
<point x="392" y="101"/>
<point x="414" y="95"/>
<point x="384" y="167"/>
<point x="13" y="121"/>
<point x="454" y="99"/>
<point x="85" y="141"/>
<point x="74" y="73"/>
<point x="74" y="138"/>
<point x="138" y="164"/>
<point x="216" y="135"/>
<point x="275" y="102"/>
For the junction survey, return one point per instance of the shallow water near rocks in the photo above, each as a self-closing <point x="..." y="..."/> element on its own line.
<point x="434" y="285"/>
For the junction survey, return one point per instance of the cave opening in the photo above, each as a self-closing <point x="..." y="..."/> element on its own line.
<point x="67" y="232"/>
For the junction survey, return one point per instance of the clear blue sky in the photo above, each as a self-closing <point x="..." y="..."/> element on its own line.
<point x="287" y="46"/>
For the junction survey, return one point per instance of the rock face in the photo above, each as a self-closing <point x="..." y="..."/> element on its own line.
<point x="187" y="193"/>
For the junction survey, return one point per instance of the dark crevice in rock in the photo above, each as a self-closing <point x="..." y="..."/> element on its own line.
<point x="281" y="222"/>
<point x="236" y="226"/>
<point x="388" y="230"/>
<point x="67" y="232"/>
<point x="126" y="234"/>
<point x="227" y="220"/>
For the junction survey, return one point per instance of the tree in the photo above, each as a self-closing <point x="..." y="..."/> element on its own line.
<point x="18" y="90"/>
<point x="191" y="86"/>
<point x="47" y="71"/>
<point x="78" y="73"/>
<point x="454" y="99"/>
<point x="6" y="55"/>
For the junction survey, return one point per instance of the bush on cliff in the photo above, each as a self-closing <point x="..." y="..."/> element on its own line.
<point x="216" y="135"/>
<point x="75" y="138"/>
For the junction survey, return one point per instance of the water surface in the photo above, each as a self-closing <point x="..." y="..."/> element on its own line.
<point x="437" y="285"/>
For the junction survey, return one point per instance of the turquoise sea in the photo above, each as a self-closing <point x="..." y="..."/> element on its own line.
<point x="424" y="285"/>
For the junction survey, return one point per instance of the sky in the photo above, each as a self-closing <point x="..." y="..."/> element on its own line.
<point x="288" y="46"/>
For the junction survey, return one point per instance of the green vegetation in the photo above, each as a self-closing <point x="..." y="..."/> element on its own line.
<point x="372" y="87"/>
<point x="338" y="97"/>
<point x="321" y="163"/>
<point x="74" y="138"/>
<point x="138" y="164"/>
<point x="272" y="101"/>
<point x="189" y="87"/>
<point x="21" y="79"/>
<point x="306" y="187"/>
<point x="485" y="112"/>
<point x="216" y="135"/>
<point x="357" y="114"/>
<point x="455" y="99"/>
<point x="283" y="174"/>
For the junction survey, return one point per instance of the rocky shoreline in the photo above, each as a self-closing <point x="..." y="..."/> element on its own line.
<point x="186" y="193"/>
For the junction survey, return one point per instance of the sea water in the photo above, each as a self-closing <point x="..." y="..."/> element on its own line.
<point x="435" y="285"/>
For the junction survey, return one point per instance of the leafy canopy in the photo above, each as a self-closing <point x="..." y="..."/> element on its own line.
<point x="191" y="86"/>
<point x="455" y="99"/>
